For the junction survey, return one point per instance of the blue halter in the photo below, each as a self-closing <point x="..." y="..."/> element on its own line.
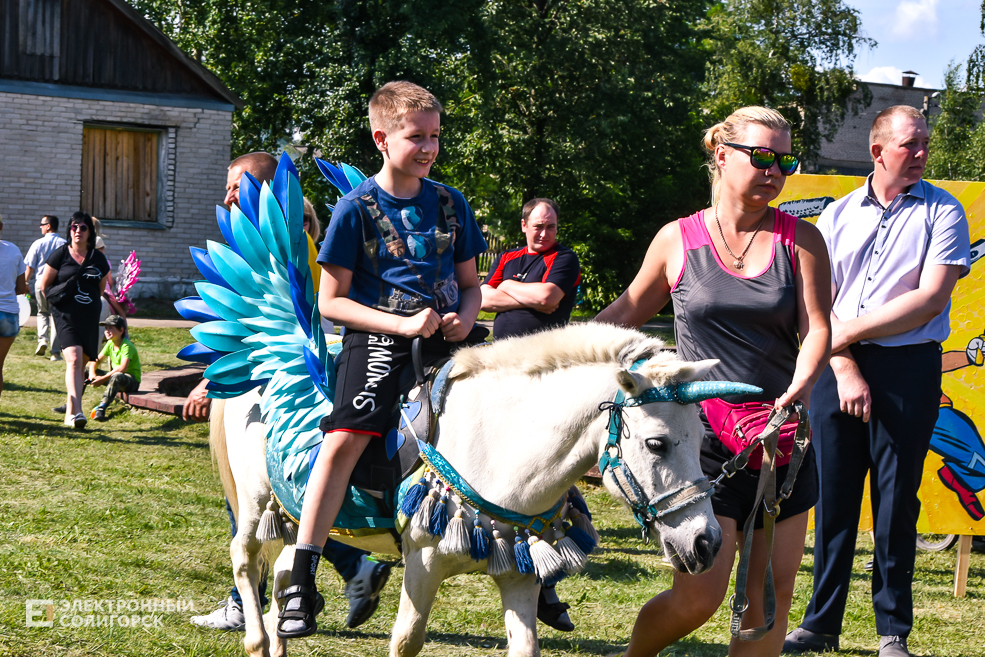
<point x="611" y="462"/>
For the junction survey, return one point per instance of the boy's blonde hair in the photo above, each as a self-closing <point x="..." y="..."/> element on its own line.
<point x="393" y="100"/>
<point x="731" y="130"/>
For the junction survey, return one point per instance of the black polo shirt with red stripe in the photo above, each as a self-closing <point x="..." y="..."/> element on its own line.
<point x="558" y="265"/>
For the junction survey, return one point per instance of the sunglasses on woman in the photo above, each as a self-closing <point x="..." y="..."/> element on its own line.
<point x="763" y="158"/>
<point x="79" y="227"/>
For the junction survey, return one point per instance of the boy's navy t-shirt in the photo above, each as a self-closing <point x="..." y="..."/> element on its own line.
<point x="391" y="284"/>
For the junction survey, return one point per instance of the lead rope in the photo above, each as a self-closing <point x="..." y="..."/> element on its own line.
<point x="765" y="491"/>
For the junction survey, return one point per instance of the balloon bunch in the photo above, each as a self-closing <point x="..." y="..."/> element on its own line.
<point x="128" y="274"/>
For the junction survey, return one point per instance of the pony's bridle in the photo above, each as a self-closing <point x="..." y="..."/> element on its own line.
<point x="611" y="463"/>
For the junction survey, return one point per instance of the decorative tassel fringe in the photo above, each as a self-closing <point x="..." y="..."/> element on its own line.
<point x="288" y="529"/>
<point x="524" y="564"/>
<point x="480" y="540"/>
<point x="421" y="522"/>
<point x="547" y="562"/>
<point x="501" y="558"/>
<point x="456" y="539"/>
<point x="584" y="523"/>
<point x="575" y="500"/>
<point x="415" y="495"/>
<point x="439" y="517"/>
<point x="269" y="527"/>
<point x="581" y="539"/>
<point x="573" y="557"/>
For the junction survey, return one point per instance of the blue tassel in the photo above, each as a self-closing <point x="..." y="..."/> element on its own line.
<point x="521" y="552"/>
<point x="554" y="579"/>
<point x="584" y="542"/>
<point x="480" y="541"/>
<point x="578" y="502"/>
<point x="415" y="495"/>
<point x="439" y="517"/>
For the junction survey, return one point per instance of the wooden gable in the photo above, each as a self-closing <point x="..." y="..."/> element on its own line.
<point x="97" y="43"/>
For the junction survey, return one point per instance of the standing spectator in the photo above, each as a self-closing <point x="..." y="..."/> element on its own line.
<point x="76" y="315"/>
<point x="750" y="286"/>
<point x="36" y="257"/>
<point x="12" y="283"/>
<point x="898" y="246"/>
<point x="533" y="287"/>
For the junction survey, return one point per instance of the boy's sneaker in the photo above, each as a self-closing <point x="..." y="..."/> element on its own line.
<point x="99" y="413"/>
<point x="55" y="357"/>
<point x="363" y="590"/>
<point x="41" y="349"/>
<point x="229" y="617"/>
<point x="59" y="409"/>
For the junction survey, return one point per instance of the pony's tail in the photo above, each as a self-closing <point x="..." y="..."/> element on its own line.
<point x="220" y="456"/>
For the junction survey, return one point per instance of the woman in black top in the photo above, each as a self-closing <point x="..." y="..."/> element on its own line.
<point x="77" y="314"/>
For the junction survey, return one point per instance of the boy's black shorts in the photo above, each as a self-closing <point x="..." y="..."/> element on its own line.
<point x="367" y="386"/>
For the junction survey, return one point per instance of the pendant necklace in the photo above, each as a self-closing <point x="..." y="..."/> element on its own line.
<point x="738" y="264"/>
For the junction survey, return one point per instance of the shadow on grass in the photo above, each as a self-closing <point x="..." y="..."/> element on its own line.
<point x="94" y="431"/>
<point x="497" y="642"/>
<point x="614" y="570"/>
<point x="11" y="386"/>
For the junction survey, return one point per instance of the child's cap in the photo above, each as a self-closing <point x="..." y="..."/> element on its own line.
<point x="115" y="321"/>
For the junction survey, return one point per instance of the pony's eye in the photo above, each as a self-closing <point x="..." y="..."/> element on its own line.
<point x="656" y="445"/>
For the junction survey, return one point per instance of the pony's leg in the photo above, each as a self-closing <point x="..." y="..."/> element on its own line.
<point x="281" y="580"/>
<point x="245" y="554"/>
<point x="421" y="582"/>
<point x="519" y="595"/>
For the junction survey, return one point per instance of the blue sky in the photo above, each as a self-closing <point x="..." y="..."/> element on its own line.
<point x="916" y="35"/>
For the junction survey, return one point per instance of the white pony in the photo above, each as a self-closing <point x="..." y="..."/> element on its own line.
<point x="521" y="424"/>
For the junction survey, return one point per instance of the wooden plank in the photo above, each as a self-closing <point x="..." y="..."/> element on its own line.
<point x="86" y="194"/>
<point x="153" y="146"/>
<point x="961" y="567"/>
<point x="99" y="172"/>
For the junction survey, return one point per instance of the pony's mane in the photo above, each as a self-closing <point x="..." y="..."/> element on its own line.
<point x="546" y="351"/>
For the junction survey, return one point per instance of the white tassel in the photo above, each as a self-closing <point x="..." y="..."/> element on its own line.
<point x="456" y="539"/>
<point x="581" y="521"/>
<point x="288" y="529"/>
<point x="574" y="558"/>
<point x="500" y="557"/>
<point x="420" y="524"/>
<point x="269" y="528"/>
<point x="547" y="562"/>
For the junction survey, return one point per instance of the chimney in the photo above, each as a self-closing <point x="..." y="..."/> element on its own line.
<point x="909" y="77"/>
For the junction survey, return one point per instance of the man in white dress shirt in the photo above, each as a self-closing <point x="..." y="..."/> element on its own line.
<point x="898" y="245"/>
<point x="36" y="257"/>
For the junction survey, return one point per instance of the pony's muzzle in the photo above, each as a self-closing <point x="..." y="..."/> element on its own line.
<point x="702" y="554"/>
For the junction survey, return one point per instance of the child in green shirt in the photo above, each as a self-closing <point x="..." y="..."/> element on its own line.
<point x="124" y="361"/>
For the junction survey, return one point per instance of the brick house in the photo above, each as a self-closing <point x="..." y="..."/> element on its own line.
<point x="100" y="111"/>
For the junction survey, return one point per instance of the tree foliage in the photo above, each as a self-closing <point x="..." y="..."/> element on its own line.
<point x="792" y="55"/>
<point x="957" y="138"/>
<point x="595" y="103"/>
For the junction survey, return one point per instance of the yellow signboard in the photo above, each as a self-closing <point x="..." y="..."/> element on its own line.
<point x="953" y="487"/>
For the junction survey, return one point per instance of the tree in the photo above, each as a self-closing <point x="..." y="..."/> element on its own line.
<point x="794" y="56"/>
<point x="957" y="138"/>
<point x="592" y="103"/>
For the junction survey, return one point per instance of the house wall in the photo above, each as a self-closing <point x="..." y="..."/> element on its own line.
<point x="41" y="173"/>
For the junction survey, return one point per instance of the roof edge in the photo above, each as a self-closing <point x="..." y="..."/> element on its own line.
<point x="162" y="39"/>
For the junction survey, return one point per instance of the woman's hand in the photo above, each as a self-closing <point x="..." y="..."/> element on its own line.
<point x="798" y="391"/>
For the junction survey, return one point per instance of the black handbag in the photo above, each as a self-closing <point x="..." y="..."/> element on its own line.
<point x="58" y="293"/>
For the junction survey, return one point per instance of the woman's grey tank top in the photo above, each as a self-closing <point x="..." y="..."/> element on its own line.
<point x="748" y="323"/>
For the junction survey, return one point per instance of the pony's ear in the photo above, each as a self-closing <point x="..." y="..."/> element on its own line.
<point x="694" y="371"/>
<point x="631" y="382"/>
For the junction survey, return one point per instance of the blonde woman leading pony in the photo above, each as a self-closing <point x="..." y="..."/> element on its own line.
<point x="750" y="285"/>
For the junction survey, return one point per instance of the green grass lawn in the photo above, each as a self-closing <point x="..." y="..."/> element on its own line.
<point x="132" y="510"/>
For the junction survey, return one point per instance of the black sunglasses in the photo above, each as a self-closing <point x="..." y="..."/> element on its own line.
<point x="79" y="227"/>
<point x="763" y="158"/>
